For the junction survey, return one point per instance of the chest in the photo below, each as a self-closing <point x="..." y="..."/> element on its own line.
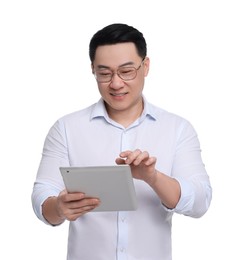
<point x="101" y="145"/>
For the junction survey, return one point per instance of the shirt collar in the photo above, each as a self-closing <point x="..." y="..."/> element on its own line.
<point x="99" y="110"/>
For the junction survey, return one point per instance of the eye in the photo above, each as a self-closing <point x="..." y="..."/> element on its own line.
<point x="104" y="73"/>
<point x="125" y="71"/>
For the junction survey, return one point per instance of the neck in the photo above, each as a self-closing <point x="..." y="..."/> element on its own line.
<point x="127" y="116"/>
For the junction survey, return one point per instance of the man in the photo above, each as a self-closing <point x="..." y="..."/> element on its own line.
<point x="161" y="148"/>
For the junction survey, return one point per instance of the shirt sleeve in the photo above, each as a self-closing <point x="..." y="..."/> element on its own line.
<point x="49" y="181"/>
<point x="189" y="170"/>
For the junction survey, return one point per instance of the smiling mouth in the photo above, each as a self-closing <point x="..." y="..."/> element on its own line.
<point x="118" y="94"/>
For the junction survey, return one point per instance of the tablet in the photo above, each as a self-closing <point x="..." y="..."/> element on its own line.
<point x="113" y="185"/>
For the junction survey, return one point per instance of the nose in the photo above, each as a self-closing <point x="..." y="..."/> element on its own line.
<point x="116" y="81"/>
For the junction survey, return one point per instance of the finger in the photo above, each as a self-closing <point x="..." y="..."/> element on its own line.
<point x="74" y="213"/>
<point x="87" y="202"/>
<point x="133" y="156"/>
<point x="141" y="157"/>
<point x="82" y="209"/>
<point x="125" y="154"/>
<point x="67" y="197"/>
<point x="150" y="161"/>
<point x="120" y="161"/>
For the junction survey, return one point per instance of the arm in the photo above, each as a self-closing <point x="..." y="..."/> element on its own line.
<point x="188" y="194"/>
<point x="143" y="168"/>
<point x="168" y="189"/>
<point x="51" y="203"/>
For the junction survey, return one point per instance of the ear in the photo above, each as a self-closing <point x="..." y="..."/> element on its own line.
<point x="92" y="67"/>
<point x="146" y="65"/>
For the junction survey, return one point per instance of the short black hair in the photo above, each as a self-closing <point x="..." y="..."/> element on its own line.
<point x="118" y="33"/>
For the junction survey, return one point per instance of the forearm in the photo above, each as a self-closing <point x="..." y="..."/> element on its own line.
<point x="50" y="212"/>
<point x="167" y="188"/>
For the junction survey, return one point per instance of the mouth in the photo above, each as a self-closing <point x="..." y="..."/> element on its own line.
<point x="118" y="94"/>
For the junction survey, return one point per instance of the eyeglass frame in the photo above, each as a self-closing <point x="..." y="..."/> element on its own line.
<point x="117" y="72"/>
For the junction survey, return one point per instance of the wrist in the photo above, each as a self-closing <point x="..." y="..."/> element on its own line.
<point x="153" y="179"/>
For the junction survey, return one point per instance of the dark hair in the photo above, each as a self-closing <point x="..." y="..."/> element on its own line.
<point x="117" y="33"/>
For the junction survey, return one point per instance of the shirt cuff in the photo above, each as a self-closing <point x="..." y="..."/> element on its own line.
<point x="38" y="198"/>
<point x="185" y="204"/>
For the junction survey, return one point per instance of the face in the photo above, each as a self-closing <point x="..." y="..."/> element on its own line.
<point x="121" y="96"/>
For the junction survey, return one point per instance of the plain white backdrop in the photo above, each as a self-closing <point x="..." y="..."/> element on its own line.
<point x="196" y="71"/>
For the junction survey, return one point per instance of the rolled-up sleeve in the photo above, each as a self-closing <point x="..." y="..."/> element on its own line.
<point x="49" y="181"/>
<point x="189" y="171"/>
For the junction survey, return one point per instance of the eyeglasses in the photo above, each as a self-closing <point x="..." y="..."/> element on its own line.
<point x="125" y="73"/>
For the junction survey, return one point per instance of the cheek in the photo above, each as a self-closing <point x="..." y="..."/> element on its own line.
<point x="102" y="88"/>
<point x="140" y="84"/>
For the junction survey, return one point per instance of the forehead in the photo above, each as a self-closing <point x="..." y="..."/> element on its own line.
<point x="116" y="54"/>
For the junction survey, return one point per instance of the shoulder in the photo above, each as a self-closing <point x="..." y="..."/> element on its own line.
<point x="160" y="113"/>
<point x="169" y="120"/>
<point x="77" y="115"/>
<point x="72" y="120"/>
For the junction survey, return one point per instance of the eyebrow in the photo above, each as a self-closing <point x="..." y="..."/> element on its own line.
<point x="122" y="65"/>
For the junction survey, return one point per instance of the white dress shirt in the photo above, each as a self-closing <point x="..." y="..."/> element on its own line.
<point x="90" y="138"/>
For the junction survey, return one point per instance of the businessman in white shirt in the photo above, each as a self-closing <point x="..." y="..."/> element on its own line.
<point x="123" y="127"/>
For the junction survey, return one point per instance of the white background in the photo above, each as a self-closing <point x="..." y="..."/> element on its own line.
<point x="196" y="52"/>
